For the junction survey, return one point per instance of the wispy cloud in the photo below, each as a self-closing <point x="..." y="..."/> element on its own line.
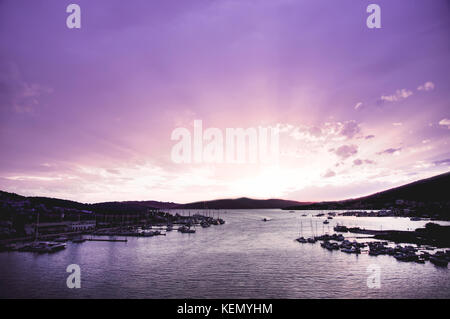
<point x="359" y="162"/>
<point x="390" y="151"/>
<point x="329" y="173"/>
<point x="442" y="162"/>
<point x="16" y="94"/>
<point x="445" y="122"/>
<point x="428" y="86"/>
<point x="345" y="151"/>
<point x="397" y="96"/>
<point x="358" y="106"/>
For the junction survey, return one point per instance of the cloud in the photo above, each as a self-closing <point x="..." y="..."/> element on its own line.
<point x="358" y="105"/>
<point x="329" y="173"/>
<point x="428" y="86"/>
<point x="350" y="129"/>
<point x="445" y="122"/>
<point x="17" y="94"/>
<point x="346" y="151"/>
<point x="397" y="124"/>
<point x="397" y="96"/>
<point x="359" y="162"/>
<point x="442" y="162"/>
<point x="325" y="133"/>
<point x="390" y="151"/>
<point x="368" y="137"/>
<point x="315" y="131"/>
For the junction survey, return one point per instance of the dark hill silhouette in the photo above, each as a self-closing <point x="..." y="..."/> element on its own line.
<point x="47" y="201"/>
<point x="432" y="191"/>
<point x="241" y="203"/>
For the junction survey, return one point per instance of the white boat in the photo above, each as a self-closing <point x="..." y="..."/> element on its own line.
<point x="46" y="247"/>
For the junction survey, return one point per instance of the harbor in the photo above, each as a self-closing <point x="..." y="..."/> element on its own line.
<point x="408" y="253"/>
<point x="243" y="258"/>
<point x="426" y="242"/>
<point x="51" y="243"/>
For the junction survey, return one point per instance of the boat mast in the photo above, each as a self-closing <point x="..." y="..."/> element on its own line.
<point x="37" y="228"/>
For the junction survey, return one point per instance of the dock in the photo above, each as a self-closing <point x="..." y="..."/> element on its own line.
<point x="113" y="240"/>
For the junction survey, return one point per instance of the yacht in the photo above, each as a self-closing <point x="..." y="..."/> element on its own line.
<point x="205" y="224"/>
<point x="46" y="247"/>
<point x="186" y="230"/>
<point x="78" y="240"/>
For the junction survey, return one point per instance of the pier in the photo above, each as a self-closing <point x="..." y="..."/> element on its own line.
<point x="112" y="240"/>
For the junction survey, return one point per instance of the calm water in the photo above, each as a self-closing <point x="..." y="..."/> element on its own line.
<point x="245" y="258"/>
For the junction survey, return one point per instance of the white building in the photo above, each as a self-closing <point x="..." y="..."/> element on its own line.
<point x="83" y="225"/>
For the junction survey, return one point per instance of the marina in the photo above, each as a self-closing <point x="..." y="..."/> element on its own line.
<point x="240" y="259"/>
<point x="183" y="224"/>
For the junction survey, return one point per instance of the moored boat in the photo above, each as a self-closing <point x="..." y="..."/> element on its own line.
<point x="339" y="228"/>
<point x="78" y="240"/>
<point x="186" y="230"/>
<point x="205" y="224"/>
<point x="438" y="261"/>
<point x="45" y="247"/>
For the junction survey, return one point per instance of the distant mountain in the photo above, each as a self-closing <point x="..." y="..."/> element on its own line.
<point x="130" y="206"/>
<point x="47" y="201"/>
<point x="156" y="204"/>
<point x="134" y="205"/>
<point x="432" y="191"/>
<point x="241" y="203"/>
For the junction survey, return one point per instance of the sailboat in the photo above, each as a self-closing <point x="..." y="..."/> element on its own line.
<point x="43" y="246"/>
<point x="312" y="239"/>
<point x="186" y="229"/>
<point x="301" y="239"/>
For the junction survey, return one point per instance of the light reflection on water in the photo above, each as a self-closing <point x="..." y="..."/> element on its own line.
<point x="245" y="258"/>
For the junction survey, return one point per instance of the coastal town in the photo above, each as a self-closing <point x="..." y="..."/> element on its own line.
<point x="36" y="227"/>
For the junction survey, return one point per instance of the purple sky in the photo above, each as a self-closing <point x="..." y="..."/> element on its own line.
<point x="88" y="114"/>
